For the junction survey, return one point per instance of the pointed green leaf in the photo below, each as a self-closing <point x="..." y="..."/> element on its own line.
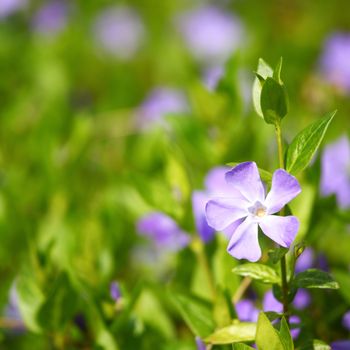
<point x="277" y="72"/>
<point x="267" y="337"/>
<point x="273" y="101"/>
<point x="313" y="278"/>
<point x="305" y="144"/>
<point x="238" y="332"/>
<point x="241" y="346"/>
<point x="285" y="335"/>
<point x="196" y="313"/>
<point x="264" y="71"/>
<point x="260" y="272"/>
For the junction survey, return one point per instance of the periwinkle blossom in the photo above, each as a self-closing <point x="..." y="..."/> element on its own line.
<point x="302" y="299"/>
<point x="215" y="185"/>
<point x="119" y="31"/>
<point x="211" y="34"/>
<point x="346" y="320"/>
<point x="251" y="208"/>
<point x="335" y="171"/>
<point x="246" y="311"/>
<point x="158" y="104"/>
<point x="200" y="345"/>
<point x="51" y="18"/>
<point x="163" y="231"/>
<point x="12" y="311"/>
<point x="341" y="345"/>
<point x="305" y="260"/>
<point x="212" y="76"/>
<point x="335" y="60"/>
<point x="115" y="291"/>
<point x="8" y="7"/>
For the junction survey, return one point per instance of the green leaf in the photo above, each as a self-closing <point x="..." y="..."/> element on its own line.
<point x="241" y="346"/>
<point x="343" y="277"/>
<point x="315" y="345"/>
<point x="238" y="332"/>
<point x="265" y="175"/>
<point x="267" y="337"/>
<point x="223" y="309"/>
<point x="313" y="278"/>
<point x="277" y="72"/>
<point x="59" y="306"/>
<point x="285" y="335"/>
<point x="264" y="71"/>
<point x="260" y="272"/>
<point x="305" y="144"/>
<point x="273" y="101"/>
<point x="277" y="254"/>
<point x="196" y="313"/>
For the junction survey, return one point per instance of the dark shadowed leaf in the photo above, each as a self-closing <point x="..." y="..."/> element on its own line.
<point x="313" y="278"/>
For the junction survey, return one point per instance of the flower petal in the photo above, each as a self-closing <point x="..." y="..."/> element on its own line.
<point x="230" y="230"/>
<point x="244" y="243"/>
<point x="245" y="178"/>
<point x="281" y="229"/>
<point x="199" y="200"/>
<point x="222" y="212"/>
<point x="284" y="188"/>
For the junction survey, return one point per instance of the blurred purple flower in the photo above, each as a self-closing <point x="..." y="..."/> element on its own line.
<point x="341" y="345"/>
<point x="302" y="299"/>
<point x="335" y="176"/>
<point x="210" y="33"/>
<point x="51" y="18"/>
<point x="119" y="31"/>
<point x="115" y="291"/>
<point x="158" y="104"/>
<point x="335" y="60"/>
<point x="8" y="7"/>
<point x="242" y="215"/>
<point x="163" y="230"/>
<point x="200" y="344"/>
<point x="215" y="186"/>
<point x="12" y="311"/>
<point x="305" y="260"/>
<point x="246" y="311"/>
<point x="212" y="76"/>
<point x="346" y="320"/>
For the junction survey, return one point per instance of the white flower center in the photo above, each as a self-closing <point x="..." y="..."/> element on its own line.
<point x="258" y="210"/>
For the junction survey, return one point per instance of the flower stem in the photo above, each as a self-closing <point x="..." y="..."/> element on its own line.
<point x="283" y="260"/>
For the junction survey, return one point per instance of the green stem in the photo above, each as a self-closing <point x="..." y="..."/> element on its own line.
<point x="283" y="260"/>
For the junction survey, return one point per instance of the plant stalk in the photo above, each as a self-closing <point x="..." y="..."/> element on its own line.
<point x="283" y="260"/>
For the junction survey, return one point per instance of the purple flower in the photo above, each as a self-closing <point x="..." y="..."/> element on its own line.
<point x="115" y="291"/>
<point x="51" y="18"/>
<point x="200" y="344"/>
<point x="305" y="260"/>
<point x="12" y="311"/>
<point x="346" y="320"/>
<point x="8" y="7"/>
<point x="335" y="60"/>
<point x="163" y="230"/>
<point x="341" y="345"/>
<point x="215" y="185"/>
<point x="212" y="77"/>
<point x="119" y="32"/>
<point x="210" y="33"/>
<point x="158" y="104"/>
<point x="243" y="214"/>
<point x="335" y="176"/>
<point x="302" y="299"/>
<point x="246" y="311"/>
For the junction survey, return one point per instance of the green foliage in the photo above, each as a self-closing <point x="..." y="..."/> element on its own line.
<point x="313" y="278"/>
<point x="277" y="254"/>
<point x="259" y="272"/>
<point x="304" y="146"/>
<point x="343" y="278"/>
<point x="241" y="346"/>
<point x="237" y="332"/>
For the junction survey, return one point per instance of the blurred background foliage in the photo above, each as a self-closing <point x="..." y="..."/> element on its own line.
<point x="80" y="162"/>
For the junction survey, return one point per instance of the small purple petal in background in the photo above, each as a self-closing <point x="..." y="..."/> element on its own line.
<point x="51" y="18"/>
<point x="305" y="260"/>
<point x="246" y="311"/>
<point x="200" y="344"/>
<point x="335" y="60"/>
<point x="346" y="320"/>
<point x="335" y="175"/>
<point x="159" y="103"/>
<point x="211" y="34"/>
<point x="212" y="76"/>
<point x="8" y="7"/>
<point x="199" y="200"/>
<point x="270" y="303"/>
<point x="164" y="231"/>
<point x="115" y="291"/>
<point x="302" y="299"/>
<point x="119" y="32"/>
<point x="341" y="345"/>
<point x="294" y="331"/>
<point x="12" y="311"/>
